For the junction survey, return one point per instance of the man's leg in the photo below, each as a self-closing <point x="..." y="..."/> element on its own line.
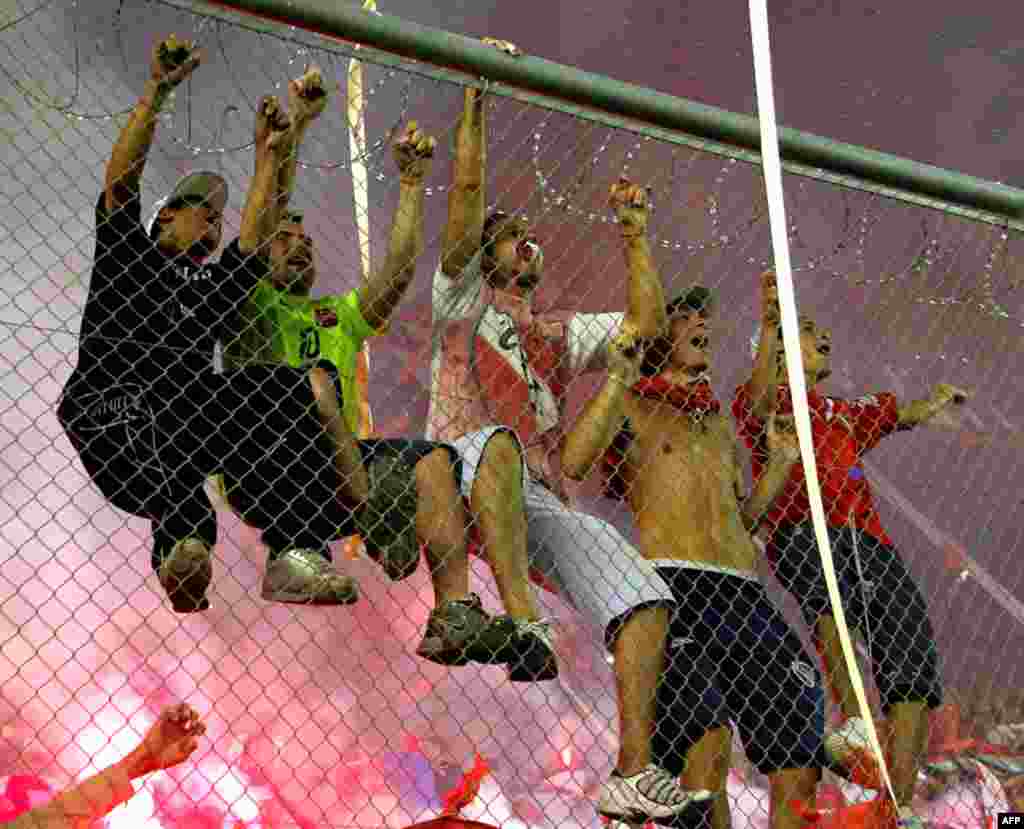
<point x="707" y="767"/>
<point x="907" y="727"/>
<point x="353" y="483"/>
<point x="775" y="695"/>
<point x="692" y="736"/>
<point x="905" y="660"/>
<point x="639" y="653"/>
<point x="441" y="527"/>
<point x="496" y="502"/>
<point x="459" y="630"/>
<point x="286" y="447"/>
<point x="492" y="480"/>
<point x="606" y="580"/>
<point x="798" y="567"/>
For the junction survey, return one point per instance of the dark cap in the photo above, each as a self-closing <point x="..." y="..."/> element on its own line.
<point x="698" y="299"/>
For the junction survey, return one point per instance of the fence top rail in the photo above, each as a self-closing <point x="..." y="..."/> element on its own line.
<point x="715" y="129"/>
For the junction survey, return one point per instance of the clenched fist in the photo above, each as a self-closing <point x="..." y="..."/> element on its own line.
<point x="413" y="153"/>
<point x="631" y="205"/>
<point x="273" y="126"/>
<point x="307" y="97"/>
<point x="172" y="61"/>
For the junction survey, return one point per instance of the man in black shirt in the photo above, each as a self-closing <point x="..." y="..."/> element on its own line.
<point x="148" y="415"/>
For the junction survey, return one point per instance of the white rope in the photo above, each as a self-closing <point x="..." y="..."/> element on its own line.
<point x="360" y="190"/>
<point x="772" y="168"/>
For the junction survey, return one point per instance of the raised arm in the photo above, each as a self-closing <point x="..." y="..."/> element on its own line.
<point x="382" y="292"/>
<point x="272" y="141"/>
<point x="764" y="380"/>
<point x="467" y="203"/>
<point x="170" y="741"/>
<point x="464" y="229"/>
<point x="602" y="418"/>
<point x="921" y="411"/>
<point x="307" y="99"/>
<point x="172" y="61"/>
<point x="645" y="296"/>
<point x="783" y="453"/>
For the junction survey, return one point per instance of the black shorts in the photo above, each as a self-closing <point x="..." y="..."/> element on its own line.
<point x="150" y="448"/>
<point x="274" y="506"/>
<point x="731" y="657"/>
<point x="880" y="599"/>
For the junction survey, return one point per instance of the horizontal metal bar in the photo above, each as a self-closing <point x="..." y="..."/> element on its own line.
<point x="412" y="41"/>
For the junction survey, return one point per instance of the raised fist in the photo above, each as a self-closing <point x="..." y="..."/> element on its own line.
<point x="944" y="394"/>
<point x="631" y="205"/>
<point x="307" y="96"/>
<point x="172" y="61"/>
<point x="413" y="152"/>
<point x="273" y="126"/>
<point x="625" y="356"/>
<point x="173" y="737"/>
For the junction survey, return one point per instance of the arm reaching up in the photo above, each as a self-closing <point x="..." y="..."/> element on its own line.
<point x="764" y="380"/>
<point x="783" y="452"/>
<point x="463" y="233"/>
<point x="273" y="139"/>
<point x="172" y="61"/>
<point x="921" y="411"/>
<point x="170" y="741"/>
<point x="382" y="292"/>
<point x="645" y="297"/>
<point x="594" y="431"/>
<point x="307" y="99"/>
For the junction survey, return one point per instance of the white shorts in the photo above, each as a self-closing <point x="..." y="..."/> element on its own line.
<point x="585" y="558"/>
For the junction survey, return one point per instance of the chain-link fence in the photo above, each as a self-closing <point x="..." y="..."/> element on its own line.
<point x="326" y="716"/>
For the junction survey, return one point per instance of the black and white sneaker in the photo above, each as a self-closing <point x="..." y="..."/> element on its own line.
<point x="533" y="652"/>
<point x="650" y="794"/>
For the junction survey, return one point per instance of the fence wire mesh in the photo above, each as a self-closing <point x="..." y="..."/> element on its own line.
<point x="324" y="716"/>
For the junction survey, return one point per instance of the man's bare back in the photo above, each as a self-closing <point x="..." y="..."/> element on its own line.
<point x="684" y="487"/>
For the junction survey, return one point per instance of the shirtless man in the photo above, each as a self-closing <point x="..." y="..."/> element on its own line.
<point x="879" y="594"/>
<point x="658" y="431"/>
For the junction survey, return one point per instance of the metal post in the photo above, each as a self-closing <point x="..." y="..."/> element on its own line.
<point x="347" y="21"/>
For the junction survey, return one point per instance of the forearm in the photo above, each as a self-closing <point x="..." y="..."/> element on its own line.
<point x="764" y="380"/>
<point x="388" y="285"/>
<point x="918" y="411"/>
<point x="766" y="490"/>
<point x="645" y="297"/>
<point x="286" y="178"/>
<point x="259" y="204"/>
<point x="594" y="431"/>
<point x="124" y="170"/>
<point x="93" y="798"/>
<point x="467" y="199"/>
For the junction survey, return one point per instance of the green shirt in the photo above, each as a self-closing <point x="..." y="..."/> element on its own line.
<point x="276" y="327"/>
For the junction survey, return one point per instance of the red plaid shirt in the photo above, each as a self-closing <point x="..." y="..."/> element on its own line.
<point x="843" y="431"/>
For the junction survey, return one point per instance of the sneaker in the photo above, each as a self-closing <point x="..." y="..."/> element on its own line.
<point x="307" y="577"/>
<point x="387" y="521"/>
<point x="185" y="574"/>
<point x="848" y="753"/>
<point x="458" y="632"/>
<point x="533" y="651"/>
<point x="650" y="794"/>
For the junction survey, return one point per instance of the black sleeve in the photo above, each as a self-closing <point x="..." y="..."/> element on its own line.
<point x="122" y="226"/>
<point x="240" y="275"/>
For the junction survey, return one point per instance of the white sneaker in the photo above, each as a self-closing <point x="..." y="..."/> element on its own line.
<point x="849" y="754"/>
<point x="650" y="794"/>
